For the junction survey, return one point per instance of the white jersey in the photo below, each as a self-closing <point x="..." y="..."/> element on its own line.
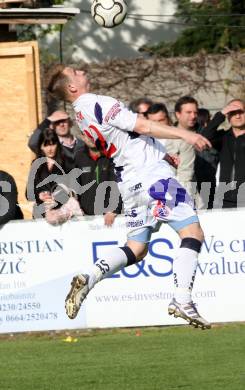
<point x="110" y="125"/>
<point x="149" y="191"/>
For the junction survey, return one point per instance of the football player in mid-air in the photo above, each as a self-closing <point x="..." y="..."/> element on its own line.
<point x="149" y="191"/>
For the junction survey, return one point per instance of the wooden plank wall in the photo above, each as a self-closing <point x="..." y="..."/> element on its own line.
<point x="20" y="110"/>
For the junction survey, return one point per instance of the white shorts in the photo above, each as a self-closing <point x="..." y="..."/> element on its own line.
<point x="154" y="196"/>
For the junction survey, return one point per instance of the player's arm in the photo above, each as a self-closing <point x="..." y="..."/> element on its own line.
<point x="158" y="130"/>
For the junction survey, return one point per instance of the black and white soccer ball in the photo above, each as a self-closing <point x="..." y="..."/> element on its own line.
<point x="109" y="13"/>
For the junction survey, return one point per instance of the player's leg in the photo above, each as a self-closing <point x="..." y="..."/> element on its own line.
<point x="184" y="271"/>
<point x="114" y="261"/>
<point x="172" y="204"/>
<point x="185" y="263"/>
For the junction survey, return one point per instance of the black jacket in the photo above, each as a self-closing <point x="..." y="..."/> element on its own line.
<point x="41" y="174"/>
<point x="96" y="199"/>
<point x="69" y="152"/>
<point x="9" y="208"/>
<point x="231" y="155"/>
<point x="206" y="162"/>
<point x="51" y="178"/>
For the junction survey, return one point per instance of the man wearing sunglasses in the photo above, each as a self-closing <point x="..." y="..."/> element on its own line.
<point x="231" y="147"/>
<point x="62" y="124"/>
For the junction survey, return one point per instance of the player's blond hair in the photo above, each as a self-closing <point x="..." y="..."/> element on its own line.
<point x="56" y="82"/>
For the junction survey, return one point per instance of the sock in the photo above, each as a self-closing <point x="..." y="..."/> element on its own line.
<point x="184" y="269"/>
<point x="115" y="259"/>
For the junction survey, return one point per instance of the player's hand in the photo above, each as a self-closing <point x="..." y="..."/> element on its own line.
<point x="172" y="159"/>
<point x="109" y="218"/>
<point x="45" y="196"/>
<point x="199" y="142"/>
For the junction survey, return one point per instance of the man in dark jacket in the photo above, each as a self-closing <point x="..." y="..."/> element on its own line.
<point x="62" y="124"/>
<point x="9" y="208"/>
<point x="231" y="147"/>
<point x="206" y="163"/>
<point x="103" y="196"/>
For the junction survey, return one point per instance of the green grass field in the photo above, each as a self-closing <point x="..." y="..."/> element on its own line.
<point x="167" y="358"/>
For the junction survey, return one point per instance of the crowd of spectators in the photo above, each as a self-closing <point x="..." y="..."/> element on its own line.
<point x="63" y="160"/>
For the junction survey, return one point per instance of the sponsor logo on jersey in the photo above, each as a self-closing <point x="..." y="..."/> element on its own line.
<point x="113" y="112"/>
<point x="161" y="211"/>
<point x="131" y="213"/>
<point x="79" y="116"/>
<point x="136" y="223"/>
<point x="136" y="187"/>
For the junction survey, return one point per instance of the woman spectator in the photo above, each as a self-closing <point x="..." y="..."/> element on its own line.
<point x="47" y="170"/>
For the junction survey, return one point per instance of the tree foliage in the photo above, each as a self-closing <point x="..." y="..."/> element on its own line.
<point x="28" y="32"/>
<point x="215" y="26"/>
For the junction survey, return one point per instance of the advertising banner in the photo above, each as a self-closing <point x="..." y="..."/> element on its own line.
<point x="38" y="261"/>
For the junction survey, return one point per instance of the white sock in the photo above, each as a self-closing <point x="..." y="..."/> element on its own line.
<point x="114" y="260"/>
<point x="184" y="271"/>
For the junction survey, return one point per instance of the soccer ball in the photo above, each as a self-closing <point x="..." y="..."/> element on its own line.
<point x="109" y="13"/>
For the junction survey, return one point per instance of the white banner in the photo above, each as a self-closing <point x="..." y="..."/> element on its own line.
<point x="38" y="261"/>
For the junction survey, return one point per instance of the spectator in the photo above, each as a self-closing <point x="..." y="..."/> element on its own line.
<point x="9" y="208"/>
<point x="140" y="105"/>
<point x="158" y="112"/>
<point x="97" y="169"/>
<point x="203" y="117"/>
<point x="62" y="124"/>
<point x="186" y="113"/>
<point x="206" y="162"/>
<point x="49" y="161"/>
<point x="231" y="148"/>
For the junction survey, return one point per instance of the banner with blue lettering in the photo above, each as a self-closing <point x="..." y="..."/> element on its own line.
<point x="38" y="261"/>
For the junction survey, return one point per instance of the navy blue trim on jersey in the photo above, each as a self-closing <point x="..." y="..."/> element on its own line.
<point x="133" y="134"/>
<point x="98" y="113"/>
<point x="159" y="190"/>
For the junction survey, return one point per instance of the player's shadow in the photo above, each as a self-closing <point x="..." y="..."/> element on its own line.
<point x="84" y="40"/>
